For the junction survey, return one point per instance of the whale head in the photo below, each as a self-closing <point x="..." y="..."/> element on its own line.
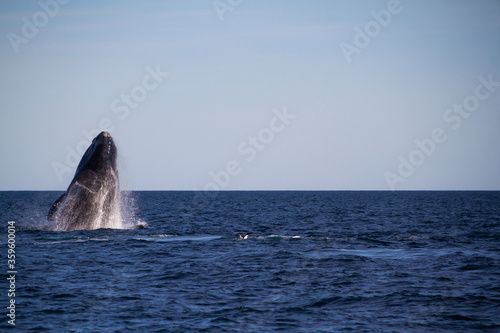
<point x="101" y="155"/>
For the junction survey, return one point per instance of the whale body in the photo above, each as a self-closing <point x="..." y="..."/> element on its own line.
<point x="92" y="200"/>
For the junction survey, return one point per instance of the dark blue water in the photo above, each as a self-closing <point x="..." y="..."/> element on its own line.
<point x="316" y="262"/>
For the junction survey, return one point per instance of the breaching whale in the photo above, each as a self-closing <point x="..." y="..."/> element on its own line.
<point x="92" y="200"/>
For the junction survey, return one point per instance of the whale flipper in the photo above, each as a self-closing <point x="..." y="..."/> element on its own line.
<point x="55" y="207"/>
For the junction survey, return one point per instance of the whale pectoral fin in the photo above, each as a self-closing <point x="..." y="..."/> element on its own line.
<point x="55" y="207"/>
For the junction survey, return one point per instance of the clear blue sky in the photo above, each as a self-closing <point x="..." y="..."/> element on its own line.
<point x="356" y="118"/>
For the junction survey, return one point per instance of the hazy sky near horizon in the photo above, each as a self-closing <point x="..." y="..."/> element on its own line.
<point x="263" y="95"/>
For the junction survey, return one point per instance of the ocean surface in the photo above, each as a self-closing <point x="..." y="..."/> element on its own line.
<point x="315" y="262"/>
